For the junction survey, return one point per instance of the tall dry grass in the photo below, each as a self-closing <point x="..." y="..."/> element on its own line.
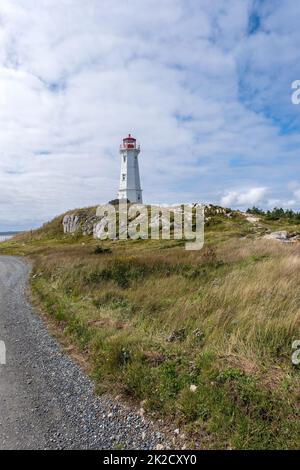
<point x="155" y="319"/>
<point x="244" y="295"/>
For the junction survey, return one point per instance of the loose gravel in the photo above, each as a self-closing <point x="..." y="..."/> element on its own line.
<point x="46" y="400"/>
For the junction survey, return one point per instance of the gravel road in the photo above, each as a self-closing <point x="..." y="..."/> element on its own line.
<point x="46" y="401"/>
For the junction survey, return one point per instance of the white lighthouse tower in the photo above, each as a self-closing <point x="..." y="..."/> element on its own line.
<point x="130" y="185"/>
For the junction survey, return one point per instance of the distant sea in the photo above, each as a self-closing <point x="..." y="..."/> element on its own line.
<point x="7" y="235"/>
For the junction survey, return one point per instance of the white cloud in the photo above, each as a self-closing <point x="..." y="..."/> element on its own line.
<point x="241" y="198"/>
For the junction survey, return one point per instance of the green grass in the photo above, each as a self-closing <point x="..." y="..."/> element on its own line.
<point x="153" y="320"/>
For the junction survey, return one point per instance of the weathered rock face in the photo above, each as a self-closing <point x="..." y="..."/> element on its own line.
<point x="211" y="210"/>
<point x="252" y="219"/>
<point x="88" y="226"/>
<point x="74" y="223"/>
<point x="99" y="228"/>
<point x="283" y="236"/>
<point x="85" y="222"/>
<point x="71" y="223"/>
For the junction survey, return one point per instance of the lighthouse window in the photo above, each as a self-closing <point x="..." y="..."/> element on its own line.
<point x="123" y="177"/>
<point x="124" y="158"/>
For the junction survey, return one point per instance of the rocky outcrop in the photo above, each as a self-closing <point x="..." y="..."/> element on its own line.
<point x="87" y="222"/>
<point x="283" y="236"/>
<point x="252" y="219"/>
<point x="88" y="226"/>
<point x="99" y="228"/>
<point x="80" y="223"/>
<point x="211" y="210"/>
<point x="71" y="223"/>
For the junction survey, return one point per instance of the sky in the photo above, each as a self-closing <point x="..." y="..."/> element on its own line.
<point x="204" y="85"/>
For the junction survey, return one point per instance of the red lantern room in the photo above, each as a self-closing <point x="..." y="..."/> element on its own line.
<point x="129" y="142"/>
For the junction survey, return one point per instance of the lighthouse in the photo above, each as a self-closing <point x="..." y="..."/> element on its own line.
<point x="130" y="185"/>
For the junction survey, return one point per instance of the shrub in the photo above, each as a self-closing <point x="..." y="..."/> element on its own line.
<point x="99" y="250"/>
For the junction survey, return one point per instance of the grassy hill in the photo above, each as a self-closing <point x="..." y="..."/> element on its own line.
<point x="202" y="339"/>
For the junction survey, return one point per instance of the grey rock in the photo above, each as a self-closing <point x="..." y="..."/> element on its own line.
<point x="282" y="236"/>
<point x="177" y="335"/>
<point x="71" y="223"/>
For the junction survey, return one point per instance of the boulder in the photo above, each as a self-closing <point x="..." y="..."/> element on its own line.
<point x="99" y="228"/>
<point x="89" y="224"/>
<point x="71" y="223"/>
<point x="282" y="236"/>
<point x="177" y="335"/>
<point x="252" y="219"/>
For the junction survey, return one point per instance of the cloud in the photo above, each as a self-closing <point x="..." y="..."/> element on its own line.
<point x="241" y="198"/>
<point x="205" y="87"/>
<point x="297" y="194"/>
